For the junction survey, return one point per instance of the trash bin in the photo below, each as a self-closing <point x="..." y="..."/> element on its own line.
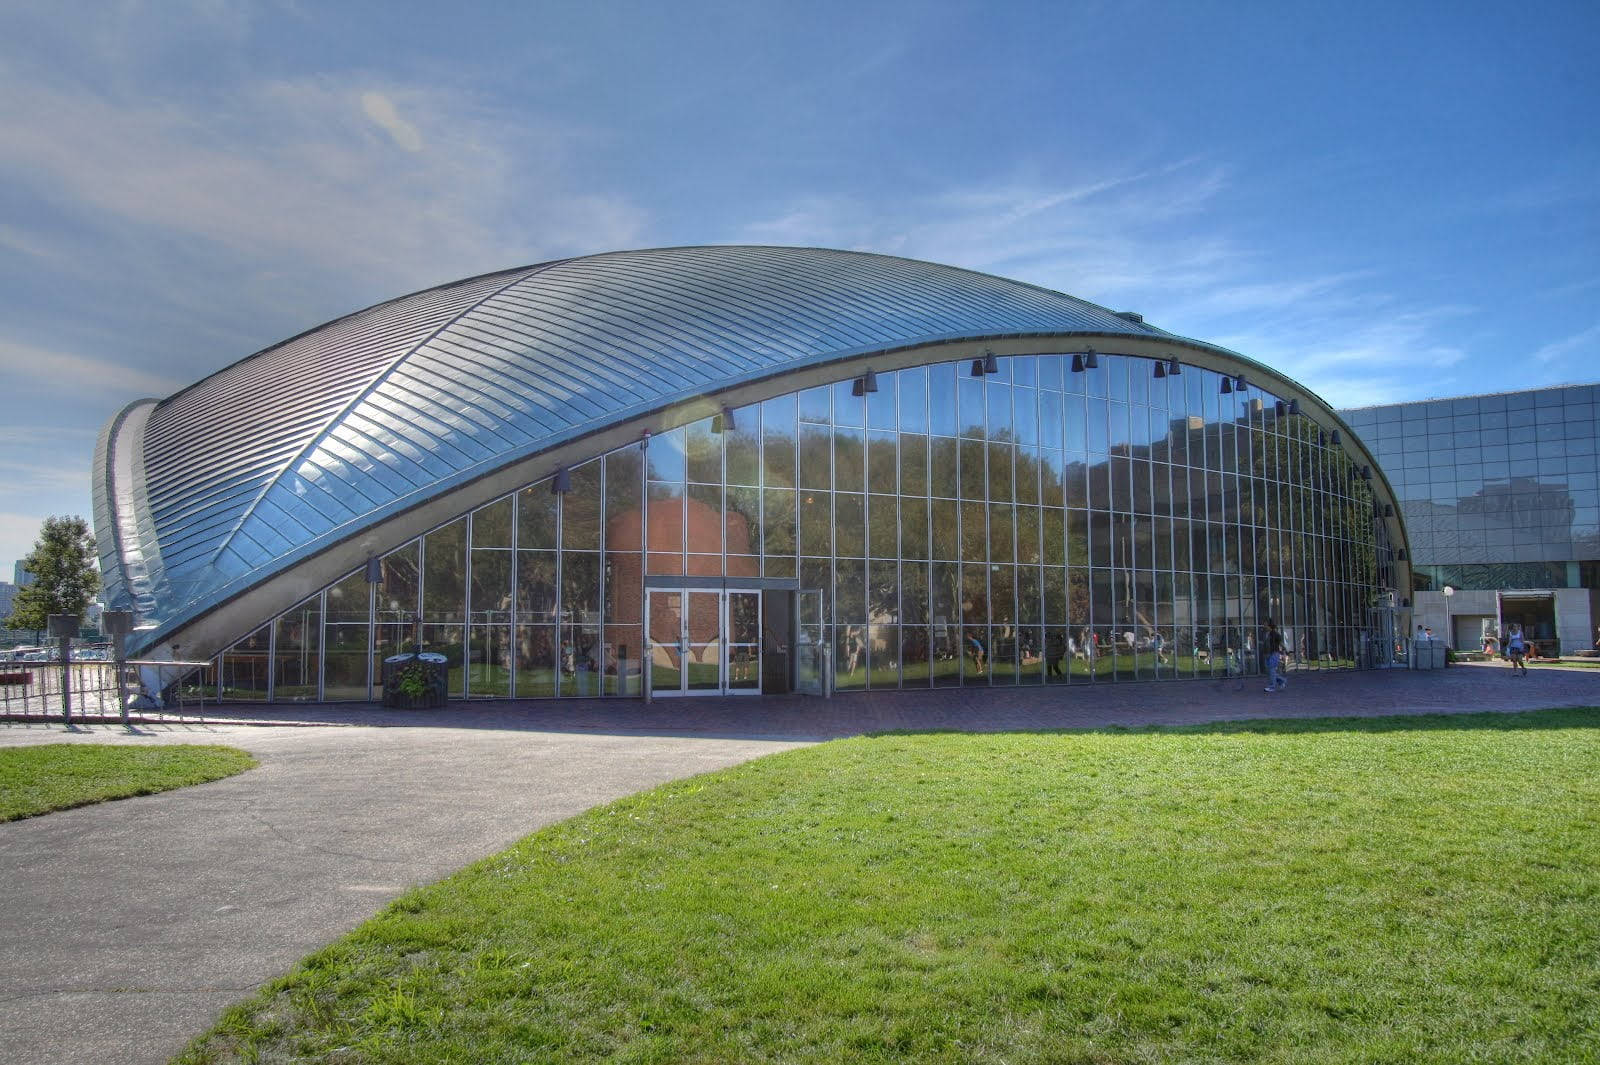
<point x="415" y="681"/>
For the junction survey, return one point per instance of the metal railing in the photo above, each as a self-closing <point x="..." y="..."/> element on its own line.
<point x="97" y="690"/>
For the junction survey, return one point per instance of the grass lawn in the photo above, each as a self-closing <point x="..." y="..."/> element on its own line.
<point x="1391" y="890"/>
<point x="56" y="776"/>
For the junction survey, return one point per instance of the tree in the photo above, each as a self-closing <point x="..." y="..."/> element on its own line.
<point x="64" y="575"/>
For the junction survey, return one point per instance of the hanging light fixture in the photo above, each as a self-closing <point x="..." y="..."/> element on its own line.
<point x="1280" y="408"/>
<point x="858" y="387"/>
<point x="977" y="367"/>
<point x="1090" y="359"/>
<point x="990" y="363"/>
<point x="723" y="422"/>
<point x="1161" y="369"/>
<point x="1366" y="473"/>
<point x="1388" y="510"/>
<point x="1335" y="439"/>
<point x="1173" y="367"/>
<point x="1294" y="406"/>
<point x="870" y="381"/>
<point x="1240" y="384"/>
<point x="1077" y="363"/>
<point x="561" y="483"/>
<point x="1401" y="556"/>
<point x="1227" y="386"/>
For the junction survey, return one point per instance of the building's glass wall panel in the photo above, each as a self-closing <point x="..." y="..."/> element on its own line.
<point x="297" y="653"/>
<point x="1039" y="525"/>
<point x="347" y="639"/>
<point x="397" y="605"/>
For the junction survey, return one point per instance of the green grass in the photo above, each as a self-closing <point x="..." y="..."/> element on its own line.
<point x="1391" y="890"/>
<point x="58" y="776"/>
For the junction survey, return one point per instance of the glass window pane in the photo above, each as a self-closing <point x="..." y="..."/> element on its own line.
<point x="666" y="456"/>
<point x="849" y="460"/>
<point x="491" y="524"/>
<point x="298" y="658"/>
<point x="778" y="429"/>
<point x="444" y="579"/>
<point x="536" y="516"/>
<point x="942" y="417"/>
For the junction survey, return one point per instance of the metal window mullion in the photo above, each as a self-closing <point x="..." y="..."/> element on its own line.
<point x="272" y="659"/>
<point x="372" y="608"/>
<point x="466" y="609"/>
<point x="322" y="643"/>
<point x="516" y="562"/>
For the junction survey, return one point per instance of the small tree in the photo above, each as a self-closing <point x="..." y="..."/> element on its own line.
<point x="64" y="576"/>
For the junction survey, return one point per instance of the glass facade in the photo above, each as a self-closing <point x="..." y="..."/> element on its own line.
<point x="1032" y="525"/>
<point x="1499" y="491"/>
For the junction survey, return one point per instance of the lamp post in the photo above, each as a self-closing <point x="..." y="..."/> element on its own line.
<point x="1449" y="633"/>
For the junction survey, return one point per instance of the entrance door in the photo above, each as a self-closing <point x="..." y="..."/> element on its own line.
<point x="704" y="641"/>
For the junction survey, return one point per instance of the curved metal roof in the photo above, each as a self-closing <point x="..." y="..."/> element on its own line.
<point x="304" y="444"/>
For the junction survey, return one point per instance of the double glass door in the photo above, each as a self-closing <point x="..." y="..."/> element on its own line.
<point x="704" y="641"/>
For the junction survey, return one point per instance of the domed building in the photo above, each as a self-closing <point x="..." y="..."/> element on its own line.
<point x="740" y="470"/>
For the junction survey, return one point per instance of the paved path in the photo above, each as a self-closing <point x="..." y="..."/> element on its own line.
<point x="125" y="928"/>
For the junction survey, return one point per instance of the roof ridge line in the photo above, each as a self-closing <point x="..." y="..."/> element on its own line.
<point x="356" y="400"/>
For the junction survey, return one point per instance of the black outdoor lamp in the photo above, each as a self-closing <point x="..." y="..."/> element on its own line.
<point x="1336" y="439"/>
<point x="1090" y="359"/>
<point x="1173" y="369"/>
<point x="561" y="483"/>
<point x="990" y="363"/>
<point x="1077" y="362"/>
<point x="723" y="422"/>
<point x="977" y="367"/>
<point x="1227" y="386"/>
<point x="1161" y="369"/>
<point x="1240" y="384"/>
<point x="1294" y="406"/>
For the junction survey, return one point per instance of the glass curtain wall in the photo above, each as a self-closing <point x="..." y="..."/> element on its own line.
<point x="1038" y="524"/>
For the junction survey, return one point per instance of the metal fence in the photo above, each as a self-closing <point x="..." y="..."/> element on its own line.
<point x="100" y="690"/>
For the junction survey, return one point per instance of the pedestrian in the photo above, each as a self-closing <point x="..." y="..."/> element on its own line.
<point x="1516" y="647"/>
<point x="1272" y="646"/>
<point x="1055" y="649"/>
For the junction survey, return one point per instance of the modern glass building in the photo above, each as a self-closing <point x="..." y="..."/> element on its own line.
<point x="740" y="470"/>
<point x="1501" y="496"/>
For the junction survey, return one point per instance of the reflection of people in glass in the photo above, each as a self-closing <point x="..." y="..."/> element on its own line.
<point x="853" y="646"/>
<point x="980" y="658"/>
<point x="1055" y="649"/>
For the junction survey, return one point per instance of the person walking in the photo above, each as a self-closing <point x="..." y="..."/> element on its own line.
<point x="1516" y="648"/>
<point x="1272" y="646"/>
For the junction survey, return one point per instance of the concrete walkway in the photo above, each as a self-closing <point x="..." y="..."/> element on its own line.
<point x="127" y="927"/>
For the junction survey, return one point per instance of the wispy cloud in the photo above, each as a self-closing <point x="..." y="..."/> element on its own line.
<point x="43" y="372"/>
<point x="1093" y="237"/>
<point x="381" y="110"/>
<point x="1588" y="340"/>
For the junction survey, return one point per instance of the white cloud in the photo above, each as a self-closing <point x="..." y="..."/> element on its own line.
<point x="49" y="371"/>
<point x="1097" y="237"/>
<point x="380" y="109"/>
<point x="300" y="176"/>
<point x="1560" y="349"/>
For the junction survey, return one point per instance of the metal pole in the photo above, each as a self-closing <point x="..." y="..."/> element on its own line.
<point x="66" y="679"/>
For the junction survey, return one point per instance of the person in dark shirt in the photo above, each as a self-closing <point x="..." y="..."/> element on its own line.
<point x="1272" y="647"/>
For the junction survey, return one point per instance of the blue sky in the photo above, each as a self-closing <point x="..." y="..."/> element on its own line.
<point x="1386" y="201"/>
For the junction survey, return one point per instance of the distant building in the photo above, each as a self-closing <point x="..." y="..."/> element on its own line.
<point x="20" y="576"/>
<point x="8" y="592"/>
<point x="1501" y="499"/>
